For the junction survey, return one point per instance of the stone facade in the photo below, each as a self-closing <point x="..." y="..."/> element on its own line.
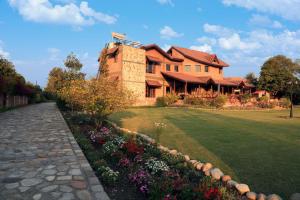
<point x="133" y="71"/>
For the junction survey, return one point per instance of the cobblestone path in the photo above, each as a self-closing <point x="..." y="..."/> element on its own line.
<point x="40" y="159"/>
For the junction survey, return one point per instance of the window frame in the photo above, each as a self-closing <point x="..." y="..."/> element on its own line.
<point x="206" y="68"/>
<point x="176" y="68"/>
<point x="189" y="67"/>
<point x="168" y="67"/>
<point x="152" y="64"/>
<point x="150" y="91"/>
<point x="198" y="67"/>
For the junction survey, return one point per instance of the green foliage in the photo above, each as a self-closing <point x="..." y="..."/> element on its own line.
<point x="284" y="103"/>
<point x="275" y="73"/>
<point x="245" y="98"/>
<point x="251" y="78"/>
<point x="197" y="101"/>
<point x="172" y="159"/>
<point x="72" y="62"/>
<point x="166" y="100"/>
<point x="219" y="101"/>
<point x="108" y="175"/>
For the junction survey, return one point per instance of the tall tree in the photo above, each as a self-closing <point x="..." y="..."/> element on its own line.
<point x="55" y="80"/>
<point x="275" y="73"/>
<point x="251" y="78"/>
<point x="280" y="76"/>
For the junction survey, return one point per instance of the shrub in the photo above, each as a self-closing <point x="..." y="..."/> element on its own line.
<point x="108" y="175"/>
<point x="166" y="100"/>
<point x="156" y="166"/>
<point x="284" y="103"/>
<point x="109" y="148"/>
<point x="172" y="159"/>
<point x="192" y="100"/>
<point x="245" y="98"/>
<point x="219" y="101"/>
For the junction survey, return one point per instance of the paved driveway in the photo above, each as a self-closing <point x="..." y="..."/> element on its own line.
<point x="40" y="159"/>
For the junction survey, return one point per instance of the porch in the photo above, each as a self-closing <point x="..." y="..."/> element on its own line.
<point x="203" y="87"/>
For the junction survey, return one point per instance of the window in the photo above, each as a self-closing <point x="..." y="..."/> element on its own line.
<point x="220" y="70"/>
<point x="187" y="68"/>
<point x="197" y="68"/>
<point x="150" y="91"/>
<point x="168" y="67"/>
<point x="150" y="68"/>
<point x="176" y="69"/>
<point x="206" y="68"/>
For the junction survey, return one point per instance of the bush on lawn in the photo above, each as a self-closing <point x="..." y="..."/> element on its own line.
<point x="219" y="101"/>
<point x="197" y="101"/>
<point x="284" y="103"/>
<point x="169" y="99"/>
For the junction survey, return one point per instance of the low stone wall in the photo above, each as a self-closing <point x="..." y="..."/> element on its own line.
<point x="209" y="170"/>
<point x="13" y="101"/>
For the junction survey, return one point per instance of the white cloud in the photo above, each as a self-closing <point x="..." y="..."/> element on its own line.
<point x="234" y="42"/>
<point x="207" y="40"/>
<point x="205" y="48"/>
<point x="2" y="51"/>
<point x="288" y="9"/>
<point x="53" y="53"/>
<point x="217" y="30"/>
<point x="44" y="11"/>
<point x="166" y="2"/>
<point x="264" y="21"/>
<point x="168" y="33"/>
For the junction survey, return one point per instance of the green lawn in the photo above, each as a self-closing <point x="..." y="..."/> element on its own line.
<point x="260" y="148"/>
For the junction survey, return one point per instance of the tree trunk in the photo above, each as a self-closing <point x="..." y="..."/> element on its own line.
<point x="291" y="110"/>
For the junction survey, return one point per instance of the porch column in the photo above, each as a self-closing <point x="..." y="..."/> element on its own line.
<point x="219" y="88"/>
<point x="174" y="86"/>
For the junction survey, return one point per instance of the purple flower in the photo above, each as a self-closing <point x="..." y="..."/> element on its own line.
<point x="144" y="189"/>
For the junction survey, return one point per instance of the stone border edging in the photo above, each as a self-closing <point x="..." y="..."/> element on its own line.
<point x="206" y="168"/>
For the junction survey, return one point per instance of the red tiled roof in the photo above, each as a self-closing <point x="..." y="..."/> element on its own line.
<point x="154" y="46"/>
<point x="240" y="80"/>
<point x="224" y="82"/>
<point x="153" y="83"/>
<point x="153" y="59"/>
<point x="201" y="57"/>
<point x="187" y="78"/>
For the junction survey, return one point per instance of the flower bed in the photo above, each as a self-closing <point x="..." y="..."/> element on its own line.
<point x="134" y="167"/>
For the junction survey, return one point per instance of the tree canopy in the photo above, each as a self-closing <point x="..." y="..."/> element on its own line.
<point x="276" y="74"/>
<point x="251" y="78"/>
<point x="72" y="62"/>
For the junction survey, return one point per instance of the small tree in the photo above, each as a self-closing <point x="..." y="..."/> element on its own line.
<point x="55" y="80"/>
<point x="251" y="78"/>
<point x="97" y="97"/>
<point x="73" y="63"/>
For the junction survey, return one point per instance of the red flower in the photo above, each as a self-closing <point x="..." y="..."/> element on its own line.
<point x="133" y="148"/>
<point x="212" y="194"/>
<point x="101" y="141"/>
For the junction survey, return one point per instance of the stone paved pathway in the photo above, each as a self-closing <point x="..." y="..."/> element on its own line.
<point x="40" y="159"/>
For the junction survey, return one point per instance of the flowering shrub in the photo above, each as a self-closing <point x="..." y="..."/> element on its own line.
<point x="119" y="141"/>
<point x="132" y="148"/>
<point x="212" y="194"/>
<point x="124" y="162"/>
<point x="108" y="175"/>
<point x="156" y="166"/>
<point x="141" y="179"/>
<point x="109" y="148"/>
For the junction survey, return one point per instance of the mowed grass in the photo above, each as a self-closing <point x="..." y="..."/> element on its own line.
<point x="259" y="148"/>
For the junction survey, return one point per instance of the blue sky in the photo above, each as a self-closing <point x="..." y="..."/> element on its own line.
<point x="38" y="34"/>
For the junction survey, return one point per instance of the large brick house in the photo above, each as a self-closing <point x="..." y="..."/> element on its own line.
<point x="151" y="72"/>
